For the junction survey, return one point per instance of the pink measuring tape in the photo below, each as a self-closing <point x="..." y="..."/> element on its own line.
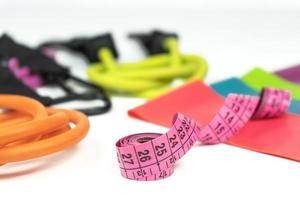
<point x="152" y="156"/>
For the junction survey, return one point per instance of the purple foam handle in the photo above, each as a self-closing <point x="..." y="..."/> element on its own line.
<point x="33" y="81"/>
<point x="24" y="74"/>
<point x="291" y="74"/>
<point x="13" y="64"/>
<point x="14" y="67"/>
<point x="48" y="52"/>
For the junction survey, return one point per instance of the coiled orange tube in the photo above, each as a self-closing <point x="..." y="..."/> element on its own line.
<point x="29" y="130"/>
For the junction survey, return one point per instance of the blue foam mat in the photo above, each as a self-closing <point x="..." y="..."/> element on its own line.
<point x="235" y="85"/>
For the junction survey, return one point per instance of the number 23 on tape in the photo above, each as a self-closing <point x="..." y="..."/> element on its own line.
<point x="152" y="156"/>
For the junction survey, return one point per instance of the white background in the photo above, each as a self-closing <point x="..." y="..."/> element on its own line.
<point x="232" y="35"/>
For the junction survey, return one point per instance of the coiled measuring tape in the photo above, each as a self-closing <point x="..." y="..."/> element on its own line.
<point x="29" y="130"/>
<point x="152" y="156"/>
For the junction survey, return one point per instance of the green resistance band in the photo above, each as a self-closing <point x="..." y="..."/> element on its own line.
<point x="150" y="77"/>
<point x="258" y="78"/>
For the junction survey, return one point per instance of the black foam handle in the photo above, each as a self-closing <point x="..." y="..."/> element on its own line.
<point x="88" y="46"/>
<point x="33" y="58"/>
<point x="152" y="42"/>
<point x="11" y="85"/>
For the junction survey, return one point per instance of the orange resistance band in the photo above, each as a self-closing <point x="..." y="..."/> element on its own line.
<point x="29" y="130"/>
